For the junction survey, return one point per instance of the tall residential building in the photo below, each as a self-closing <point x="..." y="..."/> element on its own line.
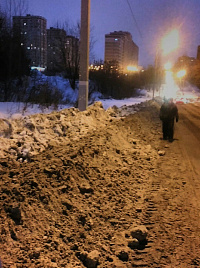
<point x="121" y="50"/>
<point x="62" y="50"/>
<point x="34" y="37"/>
<point x="56" y="49"/>
<point x="72" y="51"/>
<point x="185" y="62"/>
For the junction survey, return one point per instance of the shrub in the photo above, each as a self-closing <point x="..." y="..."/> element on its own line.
<point x="44" y="95"/>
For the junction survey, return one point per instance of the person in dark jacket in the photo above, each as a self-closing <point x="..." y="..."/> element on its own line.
<point x="168" y="113"/>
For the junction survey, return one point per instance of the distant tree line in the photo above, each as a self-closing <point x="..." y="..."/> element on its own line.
<point x="111" y="83"/>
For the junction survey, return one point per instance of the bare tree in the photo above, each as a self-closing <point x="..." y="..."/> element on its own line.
<point x="16" y="7"/>
<point x="70" y="50"/>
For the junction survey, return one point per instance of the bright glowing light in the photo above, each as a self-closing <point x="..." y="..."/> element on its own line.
<point x="168" y="65"/>
<point x="41" y="69"/>
<point x="132" y="68"/>
<point x="95" y="67"/>
<point x="170" y="42"/>
<point x="181" y="73"/>
<point x="169" y="88"/>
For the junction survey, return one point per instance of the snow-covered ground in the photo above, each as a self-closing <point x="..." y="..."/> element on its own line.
<point x="17" y="110"/>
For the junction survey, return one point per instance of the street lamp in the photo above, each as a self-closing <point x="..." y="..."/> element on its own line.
<point x="168" y="44"/>
<point x="168" y="66"/>
<point x="180" y="75"/>
<point x="131" y="68"/>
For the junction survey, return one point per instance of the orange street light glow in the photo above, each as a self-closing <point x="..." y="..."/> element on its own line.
<point x="181" y="73"/>
<point x="132" y="68"/>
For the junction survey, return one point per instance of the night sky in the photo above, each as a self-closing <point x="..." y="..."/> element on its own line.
<point x="154" y="18"/>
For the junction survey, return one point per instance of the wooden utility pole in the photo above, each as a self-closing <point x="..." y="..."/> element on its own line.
<point x="157" y="73"/>
<point x="84" y="55"/>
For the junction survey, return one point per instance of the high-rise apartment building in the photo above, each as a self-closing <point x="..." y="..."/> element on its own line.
<point x="62" y="50"/>
<point x="72" y="51"/>
<point x="121" y="50"/>
<point x="34" y="37"/>
<point x="56" y="49"/>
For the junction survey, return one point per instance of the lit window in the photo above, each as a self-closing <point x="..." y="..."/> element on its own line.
<point x="24" y="23"/>
<point x="116" y="39"/>
<point x="25" y="32"/>
<point x="22" y="44"/>
<point x="28" y="48"/>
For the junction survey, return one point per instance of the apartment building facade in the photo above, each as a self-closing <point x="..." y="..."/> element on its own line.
<point x="56" y="46"/>
<point x="62" y="50"/>
<point x="34" y="37"/>
<point x="72" y="51"/>
<point x="121" y="50"/>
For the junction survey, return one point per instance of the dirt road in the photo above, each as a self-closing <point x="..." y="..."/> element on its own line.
<point x="189" y="135"/>
<point x="176" y="213"/>
<point x="114" y="195"/>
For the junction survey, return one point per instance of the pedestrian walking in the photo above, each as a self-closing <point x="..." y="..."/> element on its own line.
<point x="168" y="114"/>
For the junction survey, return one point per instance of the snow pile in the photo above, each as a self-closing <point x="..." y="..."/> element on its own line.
<point x="78" y="202"/>
<point x="23" y="137"/>
<point x="17" y="110"/>
<point x="29" y="135"/>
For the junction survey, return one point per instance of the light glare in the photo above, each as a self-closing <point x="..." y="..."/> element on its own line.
<point x="168" y="65"/>
<point x="132" y="68"/>
<point x="181" y="73"/>
<point x="170" y="42"/>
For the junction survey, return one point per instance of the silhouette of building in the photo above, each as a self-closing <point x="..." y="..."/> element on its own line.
<point x="34" y="37"/>
<point x="120" y="50"/>
<point x="50" y="49"/>
<point x="62" y="50"/>
<point x="72" y="51"/>
<point x="185" y="62"/>
<point x="56" y="49"/>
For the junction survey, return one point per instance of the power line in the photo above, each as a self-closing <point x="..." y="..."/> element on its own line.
<point x="134" y="18"/>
